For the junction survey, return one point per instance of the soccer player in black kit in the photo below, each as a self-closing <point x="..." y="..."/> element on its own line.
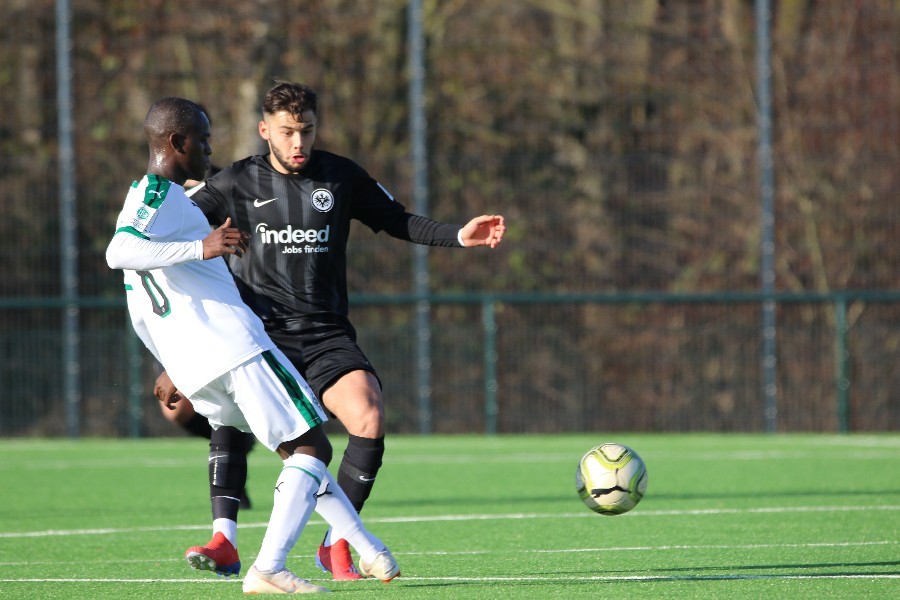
<point x="297" y="205"/>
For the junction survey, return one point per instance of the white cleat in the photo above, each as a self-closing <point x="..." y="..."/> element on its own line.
<point x="382" y="567"/>
<point x="282" y="582"/>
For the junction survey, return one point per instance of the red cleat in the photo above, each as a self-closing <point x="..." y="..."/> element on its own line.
<point x="336" y="559"/>
<point x="218" y="555"/>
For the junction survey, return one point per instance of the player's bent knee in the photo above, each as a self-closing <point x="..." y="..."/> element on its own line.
<point x="313" y="443"/>
<point x="363" y="418"/>
<point x="367" y="421"/>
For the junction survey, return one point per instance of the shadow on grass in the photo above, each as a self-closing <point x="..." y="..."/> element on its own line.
<point x="553" y="581"/>
<point x="798" y="566"/>
<point x="837" y="493"/>
<point x="849" y="569"/>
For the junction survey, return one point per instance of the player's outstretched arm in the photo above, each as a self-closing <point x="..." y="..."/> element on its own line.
<point x="486" y="230"/>
<point x="127" y="251"/>
<point x="225" y="240"/>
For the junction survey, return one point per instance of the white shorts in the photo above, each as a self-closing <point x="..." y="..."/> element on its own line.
<point x="265" y="395"/>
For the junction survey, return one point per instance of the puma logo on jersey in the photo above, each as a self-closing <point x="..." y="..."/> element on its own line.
<point x="257" y="203"/>
<point x="160" y="194"/>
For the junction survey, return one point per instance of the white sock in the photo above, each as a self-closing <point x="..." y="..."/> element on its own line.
<point x="228" y="528"/>
<point x="335" y="508"/>
<point x="295" y="499"/>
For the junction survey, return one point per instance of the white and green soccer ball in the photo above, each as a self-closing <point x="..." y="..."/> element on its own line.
<point x="611" y="479"/>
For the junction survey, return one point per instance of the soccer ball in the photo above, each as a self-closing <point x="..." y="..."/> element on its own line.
<point x="611" y="479"/>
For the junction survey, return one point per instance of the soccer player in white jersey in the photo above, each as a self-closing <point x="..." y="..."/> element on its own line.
<point x="299" y="202"/>
<point x="187" y="310"/>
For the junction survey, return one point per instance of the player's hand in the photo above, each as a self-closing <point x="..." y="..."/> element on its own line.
<point x="486" y="230"/>
<point x="225" y="240"/>
<point x="166" y="392"/>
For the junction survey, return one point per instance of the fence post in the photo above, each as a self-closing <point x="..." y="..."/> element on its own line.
<point x="841" y="367"/>
<point x="491" y="407"/>
<point x="767" y="192"/>
<point x="419" y="157"/>
<point x="68" y="224"/>
<point x="135" y="385"/>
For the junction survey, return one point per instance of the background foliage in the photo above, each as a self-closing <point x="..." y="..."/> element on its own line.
<point x="618" y="138"/>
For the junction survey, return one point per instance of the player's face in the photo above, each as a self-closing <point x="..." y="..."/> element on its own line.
<point x="197" y="150"/>
<point x="290" y="141"/>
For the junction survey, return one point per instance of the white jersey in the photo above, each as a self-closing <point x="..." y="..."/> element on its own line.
<point x="186" y="310"/>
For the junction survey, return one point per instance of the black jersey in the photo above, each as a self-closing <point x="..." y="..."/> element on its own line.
<point x="295" y="273"/>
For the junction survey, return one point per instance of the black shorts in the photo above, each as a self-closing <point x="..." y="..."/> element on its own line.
<point x="323" y="360"/>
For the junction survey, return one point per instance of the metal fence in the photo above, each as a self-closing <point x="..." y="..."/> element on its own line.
<point x="680" y="256"/>
<point x="505" y="363"/>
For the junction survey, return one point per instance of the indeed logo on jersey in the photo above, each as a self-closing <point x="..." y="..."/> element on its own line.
<point x="289" y="235"/>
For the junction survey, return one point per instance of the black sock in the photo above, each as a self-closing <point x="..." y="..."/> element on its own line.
<point x="228" y="449"/>
<point x="360" y="465"/>
<point x="198" y="425"/>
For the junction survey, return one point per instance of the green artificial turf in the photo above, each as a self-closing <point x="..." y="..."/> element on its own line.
<point x="725" y="516"/>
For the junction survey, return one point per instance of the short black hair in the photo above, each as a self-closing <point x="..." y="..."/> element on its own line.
<point x="171" y="115"/>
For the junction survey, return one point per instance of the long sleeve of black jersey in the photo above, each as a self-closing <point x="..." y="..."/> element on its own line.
<point x="422" y="230"/>
<point x="209" y="197"/>
<point x="377" y="208"/>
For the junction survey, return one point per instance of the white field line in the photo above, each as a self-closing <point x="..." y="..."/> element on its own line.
<point x="475" y="517"/>
<point x="546" y="579"/>
<point x="642" y="578"/>
<point x="873" y="452"/>
<point x="662" y="548"/>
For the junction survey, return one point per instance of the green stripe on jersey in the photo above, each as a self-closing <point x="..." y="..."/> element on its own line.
<point x="157" y="188"/>
<point x="132" y="231"/>
<point x="294" y="390"/>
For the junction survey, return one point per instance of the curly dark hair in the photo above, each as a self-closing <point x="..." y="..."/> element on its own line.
<point x="294" y="98"/>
